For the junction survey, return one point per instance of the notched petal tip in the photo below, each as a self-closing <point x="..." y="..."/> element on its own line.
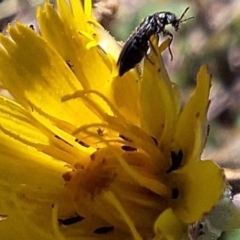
<point x="192" y="139"/>
<point x="202" y="185"/>
<point x="168" y="226"/>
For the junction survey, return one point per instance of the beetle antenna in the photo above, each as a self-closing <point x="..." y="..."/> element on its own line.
<point x="183" y="14"/>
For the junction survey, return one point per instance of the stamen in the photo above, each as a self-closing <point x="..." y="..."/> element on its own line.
<point x="56" y="233"/>
<point x="48" y="126"/>
<point x="151" y="184"/>
<point x="111" y="198"/>
<point x="140" y="139"/>
<point x="86" y="129"/>
<point x="83" y="94"/>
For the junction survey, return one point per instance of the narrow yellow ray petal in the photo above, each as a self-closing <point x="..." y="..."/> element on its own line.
<point x="88" y="8"/>
<point x="114" y="201"/>
<point x="78" y="13"/>
<point x="18" y="121"/>
<point x="97" y="102"/>
<point x="69" y="40"/>
<point x="200" y="184"/>
<point x="157" y="98"/>
<point x="193" y="114"/>
<point x="123" y="92"/>
<point x="70" y="14"/>
<point x="30" y="181"/>
<point x="43" y="81"/>
<point x="152" y="184"/>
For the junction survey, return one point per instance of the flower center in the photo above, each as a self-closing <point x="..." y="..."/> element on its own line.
<point x="108" y="189"/>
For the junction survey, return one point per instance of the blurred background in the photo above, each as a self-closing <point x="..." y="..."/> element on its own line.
<point x="212" y="37"/>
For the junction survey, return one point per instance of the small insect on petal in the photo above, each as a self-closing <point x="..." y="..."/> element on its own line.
<point x="137" y="45"/>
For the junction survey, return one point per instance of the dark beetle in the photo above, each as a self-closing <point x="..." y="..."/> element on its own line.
<point x="137" y="45"/>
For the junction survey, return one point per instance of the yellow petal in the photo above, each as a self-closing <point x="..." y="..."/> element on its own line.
<point x="19" y="140"/>
<point x="190" y="135"/>
<point x="31" y="182"/>
<point x="26" y="218"/>
<point x="70" y="40"/>
<point x="40" y="76"/>
<point x="157" y="98"/>
<point x="169" y="227"/>
<point x="21" y="135"/>
<point x="200" y="186"/>
<point x="19" y="124"/>
<point x="124" y="93"/>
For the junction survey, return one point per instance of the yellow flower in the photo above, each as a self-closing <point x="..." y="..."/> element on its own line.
<point x="86" y="154"/>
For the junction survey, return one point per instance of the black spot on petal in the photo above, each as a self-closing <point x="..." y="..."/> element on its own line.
<point x="103" y="230"/>
<point x="155" y="141"/>
<point x="175" y="193"/>
<point x="56" y="136"/>
<point x="125" y="138"/>
<point x="176" y="161"/>
<point x="82" y="143"/>
<point x="128" y="148"/>
<point x="71" y="220"/>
